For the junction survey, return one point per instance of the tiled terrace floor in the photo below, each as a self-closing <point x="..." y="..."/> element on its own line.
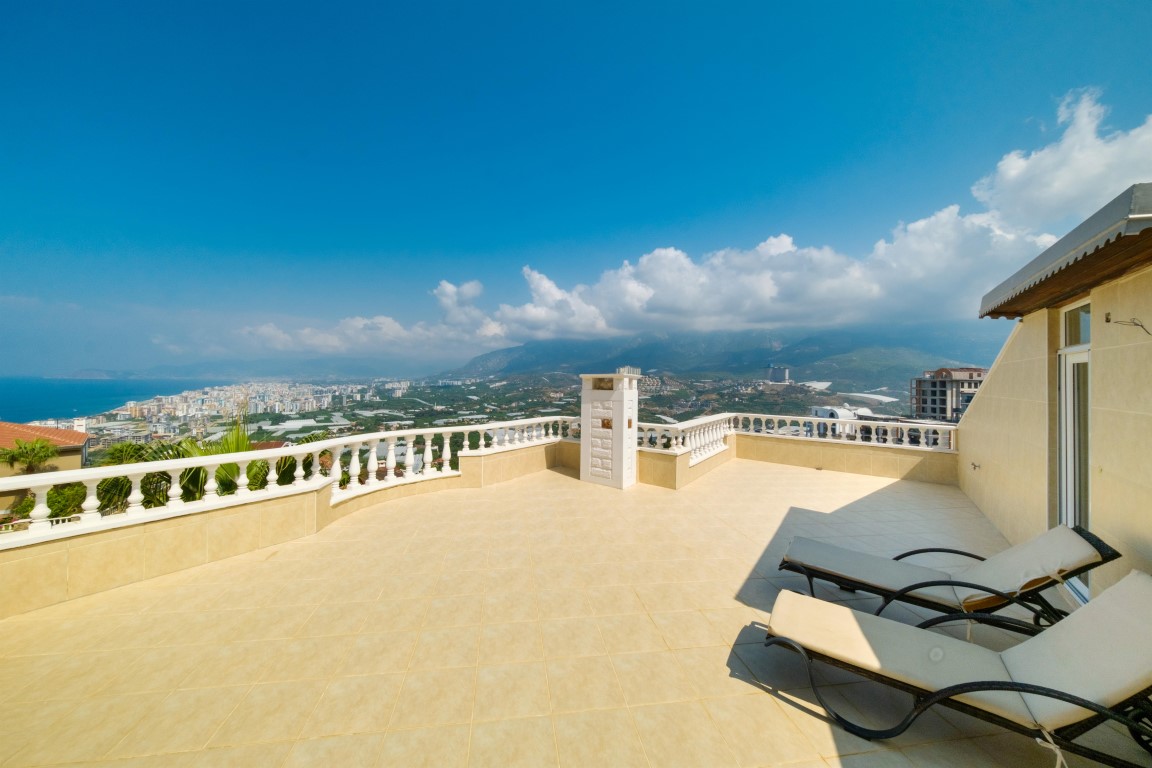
<point x="540" y="622"/>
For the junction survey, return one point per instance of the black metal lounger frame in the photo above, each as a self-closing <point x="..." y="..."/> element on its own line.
<point x="1043" y="612"/>
<point x="1135" y="712"/>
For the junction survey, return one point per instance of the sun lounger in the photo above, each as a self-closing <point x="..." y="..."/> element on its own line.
<point x="1094" y="666"/>
<point x="1015" y="576"/>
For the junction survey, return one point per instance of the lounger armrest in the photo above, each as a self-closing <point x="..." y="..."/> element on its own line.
<point x="889" y="599"/>
<point x="991" y="619"/>
<point x="927" y="550"/>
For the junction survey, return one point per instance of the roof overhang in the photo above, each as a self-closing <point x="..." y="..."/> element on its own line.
<point x="1114" y="240"/>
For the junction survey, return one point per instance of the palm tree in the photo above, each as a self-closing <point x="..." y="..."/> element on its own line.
<point x="34" y="455"/>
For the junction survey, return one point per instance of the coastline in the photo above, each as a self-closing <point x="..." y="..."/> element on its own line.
<point x="29" y="398"/>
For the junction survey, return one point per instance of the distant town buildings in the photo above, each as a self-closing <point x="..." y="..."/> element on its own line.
<point x="944" y="394"/>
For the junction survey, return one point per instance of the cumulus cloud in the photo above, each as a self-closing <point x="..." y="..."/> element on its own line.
<point x="937" y="266"/>
<point x="1073" y="176"/>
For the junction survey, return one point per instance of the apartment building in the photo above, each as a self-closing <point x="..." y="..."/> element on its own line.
<point x="944" y="394"/>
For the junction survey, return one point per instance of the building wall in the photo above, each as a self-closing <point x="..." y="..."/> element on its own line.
<point x="1120" y="426"/>
<point x="1011" y="429"/>
<point x="69" y="458"/>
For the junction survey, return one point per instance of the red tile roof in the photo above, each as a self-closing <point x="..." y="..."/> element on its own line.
<point x="61" y="438"/>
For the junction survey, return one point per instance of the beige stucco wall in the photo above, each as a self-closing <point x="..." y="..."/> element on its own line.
<point x="1009" y="430"/>
<point x="1120" y="425"/>
<point x="673" y="471"/>
<point x="858" y="458"/>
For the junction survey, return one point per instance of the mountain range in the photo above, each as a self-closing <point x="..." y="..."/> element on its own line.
<point x="853" y="359"/>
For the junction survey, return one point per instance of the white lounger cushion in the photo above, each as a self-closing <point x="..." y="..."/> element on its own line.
<point x="918" y="657"/>
<point x="1049" y="556"/>
<point x="1024" y="566"/>
<point x="882" y="572"/>
<point x="1100" y="652"/>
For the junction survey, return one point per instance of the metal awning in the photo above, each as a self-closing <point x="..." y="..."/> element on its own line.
<point x="1110" y="242"/>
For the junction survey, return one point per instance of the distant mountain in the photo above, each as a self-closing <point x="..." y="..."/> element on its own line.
<point x="855" y="359"/>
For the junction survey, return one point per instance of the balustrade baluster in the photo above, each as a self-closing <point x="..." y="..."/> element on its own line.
<point x="90" y="509"/>
<point x="390" y="460"/>
<point x="445" y="451"/>
<point x="426" y="458"/>
<point x="354" y="465"/>
<point x="135" y="498"/>
<point x="373" y="461"/>
<point x="211" y="485"/>
<point x="40" y="512"/>
<point x="242" y="488"/>
<point x="298" y="472"/>
<point x="335" y="475"/>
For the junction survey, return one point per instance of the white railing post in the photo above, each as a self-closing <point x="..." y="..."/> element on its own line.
<point x="136" y="497"/>
<point x="337" y="471"/>
<point x="390" y="460"/>
<point x="90" y="509"/>
<point x="426" y="459"/>
<point x="242" y="488"/>
<point x="446" y="451"/>
<point x="373" y="462"/>
<point x="40" y="512"/>
<point x="354" y="465"/>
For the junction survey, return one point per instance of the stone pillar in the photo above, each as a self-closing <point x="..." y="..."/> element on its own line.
<point x="608" y="408"/>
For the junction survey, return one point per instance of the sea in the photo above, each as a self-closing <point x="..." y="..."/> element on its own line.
<point x="32" y="399"/>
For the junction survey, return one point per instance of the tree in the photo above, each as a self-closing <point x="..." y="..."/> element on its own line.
<point x="34" y="455"/>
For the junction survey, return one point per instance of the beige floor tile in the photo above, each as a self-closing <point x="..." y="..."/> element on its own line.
<point x="510" y="691"/>
<point x="687" y="629"/>
<point x="335" y="619"/>
<point x="94" y="726"/>
<point x="435" y="697"/>
<point x="443" y="747"/>
<point x="610" y="601"/>
<point x="270" y="712"/>
<point x="302" y="658"/>
<point x="158" y="669"/>
<point x="73" y="677"/>
<point x="186" y="720"/>
<point x="630" y="633"/>
<point x="580" y="683"/>
<point x="562" y="604"/>
<point x="529" y="743"/>
<point x="374" y="654"/>
<point x="681" y="734"/>
<point x="395" y="615"/>
<point x="598" y="738"/>
<point x="354" y="705"/>
<point x="231" y="664"/>
<point x="571" y="637"/>
<point x="449" y="647"/>
<point x="240" y="756"/>
<point x="758" y="731"/>
<point x="716" y="671"/>
<point x="455" y="611"/>
<point x="506" y="643"/>
<point x="664" y="598"/>
<point x="358" y="751"/>
<point x="650" y="678"/>
<point x="506" y="607"/>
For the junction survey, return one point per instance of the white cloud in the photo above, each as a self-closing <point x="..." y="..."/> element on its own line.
<point x="1073" y="176"/>
<point x="935" y="267"/>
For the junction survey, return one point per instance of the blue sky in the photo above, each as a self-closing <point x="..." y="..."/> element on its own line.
<point x="419" y="183"/>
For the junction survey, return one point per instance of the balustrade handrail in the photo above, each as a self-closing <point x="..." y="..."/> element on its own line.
<point x="926" y="436"/>
<point x="98" y="513"/>
<point x="66" y="476"/>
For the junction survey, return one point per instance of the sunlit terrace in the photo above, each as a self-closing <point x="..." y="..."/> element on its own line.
<point x="537" y="621"/>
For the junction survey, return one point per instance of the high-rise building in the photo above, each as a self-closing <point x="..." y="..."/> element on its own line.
<point x="944" y="394"/>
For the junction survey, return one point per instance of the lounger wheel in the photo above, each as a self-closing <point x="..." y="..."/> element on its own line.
<point x="1142" y="713"/>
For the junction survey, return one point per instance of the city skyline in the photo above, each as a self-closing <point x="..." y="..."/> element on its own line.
<point x="184" y="184"/>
